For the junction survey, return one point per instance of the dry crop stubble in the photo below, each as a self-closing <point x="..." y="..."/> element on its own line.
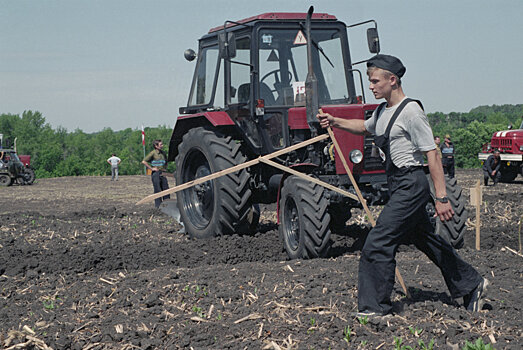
<point x="84" y="268"/>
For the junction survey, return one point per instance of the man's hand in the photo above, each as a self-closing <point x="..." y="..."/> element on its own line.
<point x="493" y="172"/>
<point x="444" y="211"/>
<point x="325" y="119"/>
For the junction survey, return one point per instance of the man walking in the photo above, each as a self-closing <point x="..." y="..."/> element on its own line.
<point x="491" y="168"/>
<point x="114" y="161"/>
<point x="156" y="161"/>
<point x="402" y="131"/>
<point x="447" y="152"/>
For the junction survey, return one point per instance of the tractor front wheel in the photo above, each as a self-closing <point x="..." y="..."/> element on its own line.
<point x="453" y="230"/>
<point x="217" y="207"/>
<point x="304" y="219"/>
<point x="508" y="174"/>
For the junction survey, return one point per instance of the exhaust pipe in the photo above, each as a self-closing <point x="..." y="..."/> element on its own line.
<point x="311" y="83"/>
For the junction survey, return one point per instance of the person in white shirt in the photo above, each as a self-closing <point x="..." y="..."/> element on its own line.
<point x="114" y="161"/>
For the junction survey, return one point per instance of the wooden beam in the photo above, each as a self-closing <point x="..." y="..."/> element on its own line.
<point x="233" y="169"/>
<point x="309" y="178"/>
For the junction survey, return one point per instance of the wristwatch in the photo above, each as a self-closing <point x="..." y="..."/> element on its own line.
<point x="443" y="199"/>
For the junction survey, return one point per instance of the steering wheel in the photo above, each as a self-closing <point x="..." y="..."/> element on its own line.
<point x="276" y="77"/>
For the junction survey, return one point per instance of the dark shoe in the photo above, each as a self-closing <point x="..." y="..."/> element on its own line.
<point x="474" y="300"/>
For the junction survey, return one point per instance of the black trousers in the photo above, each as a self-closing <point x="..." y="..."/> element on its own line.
<point x="159" y="184"/>
<point x="487" y="175"/>
<point x="448" y="167"/>
<point x="404" y="219"/>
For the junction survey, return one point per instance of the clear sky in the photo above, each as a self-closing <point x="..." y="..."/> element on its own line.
<point x="119" y="63"/>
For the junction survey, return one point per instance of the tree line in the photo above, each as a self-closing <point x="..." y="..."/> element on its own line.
<point x="57" y="152"/>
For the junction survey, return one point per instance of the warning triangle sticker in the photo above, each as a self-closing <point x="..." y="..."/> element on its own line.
<point x="300" y="39"/>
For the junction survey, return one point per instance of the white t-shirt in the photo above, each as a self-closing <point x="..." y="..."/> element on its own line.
<point x="114" y="160"/>
<point x="410" y="135"/>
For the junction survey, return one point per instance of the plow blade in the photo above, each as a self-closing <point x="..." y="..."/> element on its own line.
<point x="170" y="208"/>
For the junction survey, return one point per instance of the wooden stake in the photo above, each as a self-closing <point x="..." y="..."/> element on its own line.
<point x="478" y="213"/>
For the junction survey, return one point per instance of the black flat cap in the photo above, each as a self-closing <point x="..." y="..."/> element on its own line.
<point x="387" y="62"/>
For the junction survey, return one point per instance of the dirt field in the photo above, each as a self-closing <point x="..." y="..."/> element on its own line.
<point x="82" y="267"/>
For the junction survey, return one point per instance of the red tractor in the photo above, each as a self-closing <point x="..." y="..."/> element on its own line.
<point x="510" y="145"/>
<point x="257" y="86"/>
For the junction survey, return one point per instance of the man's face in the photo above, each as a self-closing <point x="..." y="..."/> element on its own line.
<point x="380" y="85"/>
<point x="437" y="140"/>
<point x="496" y="154"/>
<point x="160" y="145"/>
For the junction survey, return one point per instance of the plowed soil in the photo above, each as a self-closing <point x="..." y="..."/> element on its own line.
<point x="83" y="267"/>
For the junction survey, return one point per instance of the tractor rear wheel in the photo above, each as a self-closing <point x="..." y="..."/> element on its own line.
<point x="304" y="219"/>
<point x="453" y="230"/>
<point x="5" y="180"/>
<point x="217" y="207"/>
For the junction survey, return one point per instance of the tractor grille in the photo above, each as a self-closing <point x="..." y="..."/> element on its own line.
<point x="371" y="158"/>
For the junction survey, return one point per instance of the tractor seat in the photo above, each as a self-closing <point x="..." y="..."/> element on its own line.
<point x="265" y="93"/>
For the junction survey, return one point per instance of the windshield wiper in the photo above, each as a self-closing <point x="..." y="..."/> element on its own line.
<point x="317" y="46"/>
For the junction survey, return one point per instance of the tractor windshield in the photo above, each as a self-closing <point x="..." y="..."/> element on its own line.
<point x="283" y="66"/>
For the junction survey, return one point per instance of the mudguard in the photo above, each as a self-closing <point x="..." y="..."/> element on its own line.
<point x="186" y="122"/>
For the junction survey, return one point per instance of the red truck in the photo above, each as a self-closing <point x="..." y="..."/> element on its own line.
<point x="510" y="145"/>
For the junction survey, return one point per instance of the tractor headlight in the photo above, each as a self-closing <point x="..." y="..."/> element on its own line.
<point x="521" y="148"/>
<point x="356" y="156"/>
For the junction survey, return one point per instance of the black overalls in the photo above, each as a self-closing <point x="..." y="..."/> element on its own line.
<point x="404" y="219"/>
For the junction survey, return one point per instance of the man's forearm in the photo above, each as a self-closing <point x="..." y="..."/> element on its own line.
<point x="436" y="173"/>
<point x="355" y="126"/>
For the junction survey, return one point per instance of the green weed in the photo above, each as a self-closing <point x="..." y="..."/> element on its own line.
<point x="347" y="333"/>
<point x="363" y="320"/>
<point x="478" y="345"/>
<point x="422" y="345"/>
<point x="398" y="344"/>
<point x="49" y="304"/>
<point x="198" y="311"/>
<point x="415" y="331"/>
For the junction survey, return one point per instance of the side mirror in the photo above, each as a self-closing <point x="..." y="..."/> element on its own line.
<point x="227" y="45"/>
<point x="189" y="55"/>
<point x="373" y="40"/>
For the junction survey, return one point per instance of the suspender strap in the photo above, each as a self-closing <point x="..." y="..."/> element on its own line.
<point x="396" y="113"/>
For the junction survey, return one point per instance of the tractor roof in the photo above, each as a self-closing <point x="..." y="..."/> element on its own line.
<point x="278" y="16"/>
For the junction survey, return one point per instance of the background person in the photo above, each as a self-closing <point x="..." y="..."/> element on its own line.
<point x="156" y="161"/>
<point x="437" y="141"/>
<point x="447" y="151"/>
<point x="114" y="161"/>
<point x="491" y="168"/>
<point x="404" y="142"/>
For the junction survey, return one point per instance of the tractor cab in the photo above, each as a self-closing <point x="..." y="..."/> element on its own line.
<point x="255" y="71"/>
